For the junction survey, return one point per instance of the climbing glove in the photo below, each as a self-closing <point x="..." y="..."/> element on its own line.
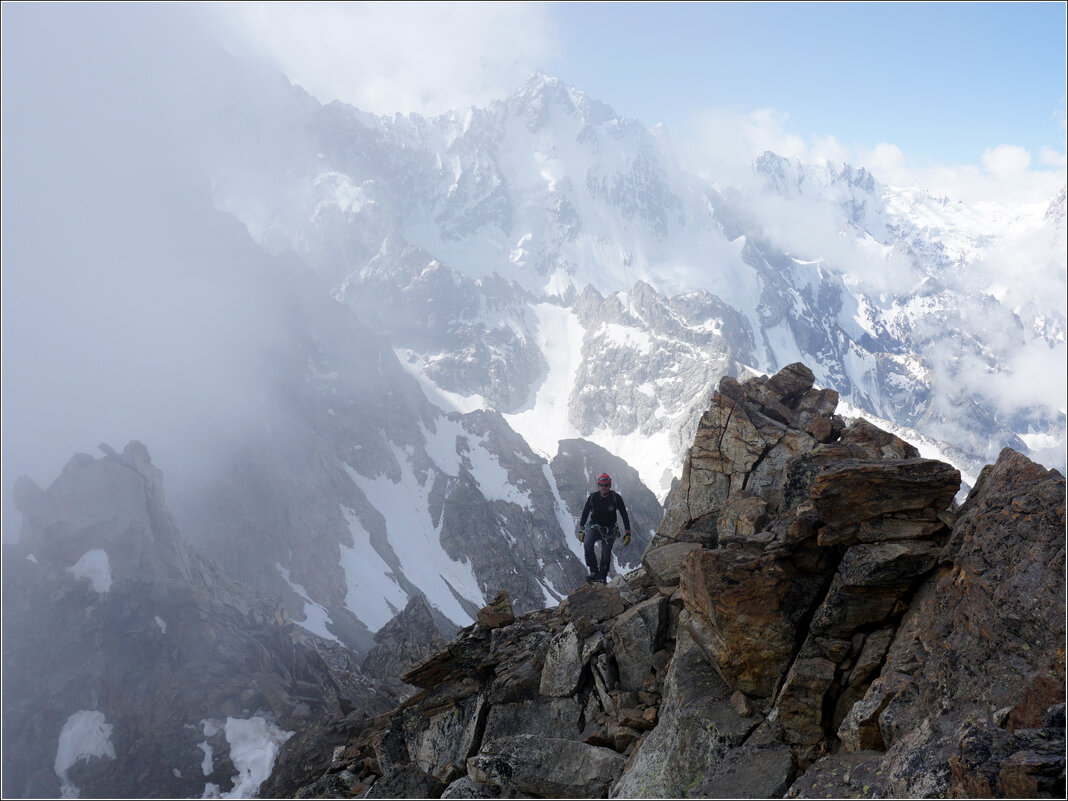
<point x="626" y="538"/>
<point x="580" y="534"/>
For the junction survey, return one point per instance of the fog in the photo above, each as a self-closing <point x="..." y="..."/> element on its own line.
<point x="131" y="308"/>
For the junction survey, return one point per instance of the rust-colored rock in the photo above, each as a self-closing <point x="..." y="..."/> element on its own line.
<point x="855" y="491"/>
<point x="497" y="612"/>
<point x="751" y="603"/>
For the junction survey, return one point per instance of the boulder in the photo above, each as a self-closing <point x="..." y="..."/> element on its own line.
<point x="405" y="781"/>
<point x="545" y="717"/>
<point x="497" y="612"/>
<point x="446" y="737"/>
<point x="562" y="672"/>
<point x="636" y="635"/>
<point x="466" y="787"/>
<point x="750" y="772"/>
<point x="747" y="604"/>
<point x="742" y="516"/>
<point x="844" y="775"/>
<point x="869" y="582"/>
<point x="468" y="654"/>
<point x="697" y="726"/>
<point x="546" y="767"/>
<point x="595" y="601"/>
<point x="853" y="491"/>
<point x="663" y="563"/>
<point x="800" y="703"/>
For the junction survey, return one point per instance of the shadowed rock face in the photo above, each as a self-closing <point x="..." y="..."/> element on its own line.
<point x="109" y="618"/>
<point x="814" y="616"/>
<point x="406" y="639"/>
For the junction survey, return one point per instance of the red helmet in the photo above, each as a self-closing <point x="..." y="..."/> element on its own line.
<point x="604" y="480"/>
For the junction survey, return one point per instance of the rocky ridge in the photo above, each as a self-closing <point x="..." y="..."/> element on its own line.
<point x="814" y="617"/>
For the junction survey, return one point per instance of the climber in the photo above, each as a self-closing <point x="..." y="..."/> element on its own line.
<point x="601" y="508"/>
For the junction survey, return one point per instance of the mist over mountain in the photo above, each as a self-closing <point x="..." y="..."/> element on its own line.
<point x="380" y="360"/>
<point x="542" y="259"/>
<point x="458" y="234"/>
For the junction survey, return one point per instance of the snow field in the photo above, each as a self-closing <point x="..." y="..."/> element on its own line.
<point x="416" y="540"/>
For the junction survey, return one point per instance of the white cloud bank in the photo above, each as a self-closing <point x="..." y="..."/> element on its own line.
<point x="719" y="145"/>
<point x="394" y="57"/>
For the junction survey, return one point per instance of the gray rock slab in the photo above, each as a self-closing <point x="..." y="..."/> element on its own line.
<point x="405" y="781"/>
<point x="663" y="562"/>
<point x="696" y="729"/>
<point x="596" y="601"/>
<point x="466" y="787"/>
<point x="750" y="773"/>
<point x="547" y="767"/>
<point x="545" y="717"/>
<point x="562" y="672"/>
<point x="636" y="635"/>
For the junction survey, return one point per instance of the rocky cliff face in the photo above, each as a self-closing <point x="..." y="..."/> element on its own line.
<point x="361" y="494"/>
<point x="132" y="667"/>
<point x="814" y="618"/>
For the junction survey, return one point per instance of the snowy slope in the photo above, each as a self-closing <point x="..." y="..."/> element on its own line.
<point x="547" y="259"/>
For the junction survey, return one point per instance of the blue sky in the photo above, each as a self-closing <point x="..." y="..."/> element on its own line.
<point x="942" y="81"/>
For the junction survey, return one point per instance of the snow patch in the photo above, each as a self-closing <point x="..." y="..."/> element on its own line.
<point x="254" y="746"/>
<point x="161" y="623"/>
<point x="95" y="567"/>
<point x="315" y="615"/>
<point x="545" y="421"/>
<point x="85" y="735"/>
<point x="627" y="337"/>
<point x="207" y="764"/>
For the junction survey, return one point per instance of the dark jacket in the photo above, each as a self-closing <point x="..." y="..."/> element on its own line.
<point x="602" y="510"/>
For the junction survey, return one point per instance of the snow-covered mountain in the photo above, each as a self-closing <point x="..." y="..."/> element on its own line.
<point x="360" y="494"/>
<point x="502" y="303"/>
<point x="544" y="247"/>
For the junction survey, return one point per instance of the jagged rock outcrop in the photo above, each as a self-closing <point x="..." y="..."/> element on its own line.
<point x="132" y="667"/>
<point x="498" y="705"/>
<point x="814" y="617"/>
<point x="408" y="638"/>
<point x="970" y="699"/>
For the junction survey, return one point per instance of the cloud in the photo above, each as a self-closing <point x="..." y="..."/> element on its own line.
<point x="132" y="309"/>
<point x="719" y="145"/>
<point x="1006" y="161"/>
<point x="1020" y="366"/>
<point x="385" y="58"/>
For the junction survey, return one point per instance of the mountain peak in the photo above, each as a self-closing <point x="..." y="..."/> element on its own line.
<point x="788" y="175"/>
<point x="541" y="91"/>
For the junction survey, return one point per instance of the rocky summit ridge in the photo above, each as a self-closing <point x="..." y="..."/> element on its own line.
<point x="815" y="617"/>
